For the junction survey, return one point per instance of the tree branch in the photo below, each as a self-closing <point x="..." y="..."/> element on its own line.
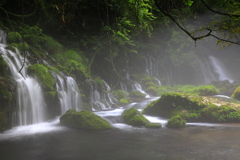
<point x="225" y="14"/>
<point x="165" y="13"/>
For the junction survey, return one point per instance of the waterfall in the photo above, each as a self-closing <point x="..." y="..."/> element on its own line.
<point x="101" y="100"/>
<point x="30" y="103"/>
<point x="137" y="87"/>
<point x="152" y="69"/>
<point x="220" y="69"/>
<point x="206" y="69"/>
<point x="68" y="93"/>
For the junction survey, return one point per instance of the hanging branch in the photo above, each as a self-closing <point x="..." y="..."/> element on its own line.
<point x="165" y="13"/>
<point x="225" y="14"/>
<point x="24" y="52"/>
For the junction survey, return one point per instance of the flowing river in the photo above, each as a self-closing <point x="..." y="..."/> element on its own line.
<point x="50" y="141"/>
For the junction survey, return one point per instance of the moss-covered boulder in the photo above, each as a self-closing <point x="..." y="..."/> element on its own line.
<point x="194" y="108"/>
<point x="137" y="94"/>
<point x="176" y="122"/>
<point x="153" y="125"/>
<point x="43" y="74"/>
<point x="206" y="90"/>
<point x="172" y="103"/>
<point x="83" y="120"/>
<point x="236" y="93"/>
<point x="133" y="117"/>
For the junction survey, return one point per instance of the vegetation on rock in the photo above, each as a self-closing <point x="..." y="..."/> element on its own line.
<point x="194" y="108"/>
<point x="83" y="120"/>
<point x="236" y="93"/>
<point x="137" y="94"/>
<point x="176" y="122"/>
<point x="43" y="74"/>
<point x="133" y="117"/>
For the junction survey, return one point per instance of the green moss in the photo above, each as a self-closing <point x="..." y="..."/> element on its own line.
<point x="153" y="125"/>
<point x="137" y="94"/>
<point x="176" y="122"/>
<point x="206" y="90"/>
<point x="236" y="93"/>
<point x="124" y="101"/>
<point x="133" y="117"/>
<point x="193" y="108"/>
<point x="3" y="67"/>
<point x="43" y="75"/>
<point x="21" y="46"/>
<point x="119" y="94"/>
<point x="14" y="37"/>
<point x="83" y="120"/>
<point x="172" y="103"/>
<point x="73" y="55"/>
<point x="222" y="113"/>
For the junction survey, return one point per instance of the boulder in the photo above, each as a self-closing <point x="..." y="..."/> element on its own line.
<point x="83" y="120"/>
<point x="133" y="117"/>
<point x="176" y="122"/>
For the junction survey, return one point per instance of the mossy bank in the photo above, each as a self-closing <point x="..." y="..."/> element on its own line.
<point x="194" y="108"/>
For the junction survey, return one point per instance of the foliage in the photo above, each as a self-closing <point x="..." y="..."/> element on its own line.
<point x="193" y="108"/>
<point x="236" y="93"/>
<point x="3" y="67"/>
<point x="206" y="90"/>
<point x="176" y="122"/>
<point x="119" y="94"/>
<point x="133" y="117"/>
<point x="137" y="94"/>
<point x="83" y="120"/>
<point x="43" y="75"/>
<point x="124" y="101"/>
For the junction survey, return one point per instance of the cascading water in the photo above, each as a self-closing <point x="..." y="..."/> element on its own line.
<point x="101" y="101"/>
<point x="31" y="107"/>
<point x="206" y="69"/>
<point x="152" y="69"/>
<point x="220" y="69"/>
<point x="68" y="93"/>
<point x="137" y="87"/>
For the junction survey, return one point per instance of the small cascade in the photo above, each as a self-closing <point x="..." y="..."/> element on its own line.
<point x="68" y="93"/>
<point x="30" y="103"/>
<point x="220" y="69"/>
<point x="137" y="87"/>
<point x="152" y="69"/>
<point x="101" y="100"/>
<point x="206" y="69"/>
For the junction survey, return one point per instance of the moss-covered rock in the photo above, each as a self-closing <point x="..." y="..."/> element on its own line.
<point x="172" y="103"/>
<point x="236" y="93"/>
<point x="43" y="74"/>
<point x="124" y="101"/>
<point x="133" y="117"/>
<point x="194" y="108"/>
<point x="176" y="122"/>
<point x="206" y="90"/>
<point x="153" y="125"/>
<point x="119" y="94"/>
<point x="83" y="120"/>
<point x="137" y="94"/>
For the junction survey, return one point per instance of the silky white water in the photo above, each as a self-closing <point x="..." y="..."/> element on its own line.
<point x="30" y="103"/>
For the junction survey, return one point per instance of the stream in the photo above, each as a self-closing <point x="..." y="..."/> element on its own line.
<point x="51" y="141"/>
